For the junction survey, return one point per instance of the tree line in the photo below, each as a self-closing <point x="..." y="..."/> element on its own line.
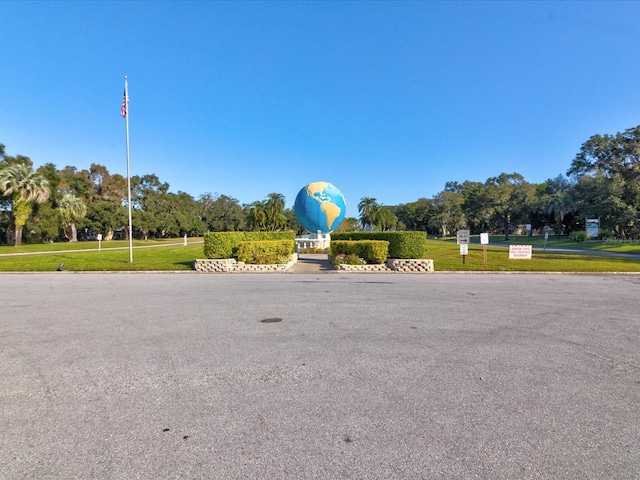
<point x="51" y="204"/>
<point x="603" y="181"/>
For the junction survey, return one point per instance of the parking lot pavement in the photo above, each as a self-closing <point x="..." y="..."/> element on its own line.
<point x="196" y="376"/>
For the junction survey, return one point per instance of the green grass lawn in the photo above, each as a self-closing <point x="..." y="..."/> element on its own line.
<point x="553" y="242"/>
<point x="114" y="256"/>
<point x="446" y="257"/>
<point x="90" y="245"/>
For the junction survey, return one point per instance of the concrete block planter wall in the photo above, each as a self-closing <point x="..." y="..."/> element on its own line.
<point x="231" y="265"/>
<point x="402" y="265"/>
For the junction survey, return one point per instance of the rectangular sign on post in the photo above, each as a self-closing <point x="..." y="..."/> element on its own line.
<point x="484" y="241"/>
<point x="593" y="227"/>
<point x="463" y="236"/>
<point x="520" y="252"/>
<point x="464" y="249"/>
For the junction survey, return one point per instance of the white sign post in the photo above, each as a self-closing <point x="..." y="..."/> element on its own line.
<point x="99" y="241"/>
<point x="463" y="237"/>
<point x="484" y="241"/>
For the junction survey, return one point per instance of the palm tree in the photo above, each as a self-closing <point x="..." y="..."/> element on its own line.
<point x="274" y="207"/>
<point x="383" y="218"/>
<point x="257" y="215"/>
<point x="560" y="204"/>
<point x="71" y="209"/>
<point x="25" y="188"/>
<point x="367" y="207"/>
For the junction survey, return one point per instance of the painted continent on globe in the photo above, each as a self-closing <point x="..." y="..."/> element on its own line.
<point x="320" y="207"/>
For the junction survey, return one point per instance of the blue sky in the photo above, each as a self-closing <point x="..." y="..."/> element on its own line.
<point x="383" y="99"/>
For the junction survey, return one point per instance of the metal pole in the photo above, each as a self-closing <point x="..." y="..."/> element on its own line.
<point x="126" y="118"/>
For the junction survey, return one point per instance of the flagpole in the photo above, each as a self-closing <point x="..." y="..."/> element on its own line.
<point x="126" y="118"/>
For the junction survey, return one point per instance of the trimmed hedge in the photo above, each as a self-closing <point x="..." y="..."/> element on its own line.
<point x="266" y="252"/>
<point x="225" y="244"/>
<point x="401" y="244"/>
<point x="372" y="251"/>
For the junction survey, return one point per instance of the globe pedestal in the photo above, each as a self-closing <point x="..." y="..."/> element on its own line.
<point x="313" y="240"/>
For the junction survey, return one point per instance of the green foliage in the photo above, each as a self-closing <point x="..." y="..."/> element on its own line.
<point x="578" y="236"/>
<point x="633" y="232"/>
<point x="265" y="252"/>
<point x="416" y="215"/>
<point x="225" y="244"/>
<point x="372" y="251"/>
<point x="349" y="224"/>
<point x="25" y="187"/>
<point x="607" y="170"/>
<point x="404" y="244"/>
<point x="606" y="234"/>
<point x="447" y="212"/>
<point x="367" y="207"/>
<point x="44" y="225"/>
<point x="104" y="217"/>
<point x="221" y="213"/>
<point x="71" y="209"/>
<point x="351" y="259"/>
<point x="268" y="214"/>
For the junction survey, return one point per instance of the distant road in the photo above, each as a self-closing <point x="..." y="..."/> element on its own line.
<point x="577" y="251"/>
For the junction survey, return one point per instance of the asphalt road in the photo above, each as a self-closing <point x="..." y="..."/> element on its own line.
<point x="353" y="376"/>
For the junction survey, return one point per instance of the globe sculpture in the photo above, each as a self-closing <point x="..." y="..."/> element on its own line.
<point x="320" y="207"/>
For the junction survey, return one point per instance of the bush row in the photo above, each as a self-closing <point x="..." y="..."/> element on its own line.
<point x="266" y="252"/>
<point x="401" y="244"/>
<point x="225" y="244"/>
<point x="372" y="251"/>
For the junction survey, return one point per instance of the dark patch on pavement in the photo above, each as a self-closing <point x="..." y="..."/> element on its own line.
<point x="271" y="320"/>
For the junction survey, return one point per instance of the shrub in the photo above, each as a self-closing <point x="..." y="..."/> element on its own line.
<point x="350" y="259"/>
<point x="372" y="251"/>
<point x="225" y="244"/>
<point x="633" y="232"/>
<point x="403" y="244"/>
<point x="265" y="251"/>
<point x="606" y="234"/>
<point x="578" y="236"/>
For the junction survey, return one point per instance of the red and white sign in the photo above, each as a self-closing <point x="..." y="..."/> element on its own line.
<point x="520" y="252"/>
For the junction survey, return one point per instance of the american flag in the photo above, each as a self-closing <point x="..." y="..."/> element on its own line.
<point x="125" y="102"/>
